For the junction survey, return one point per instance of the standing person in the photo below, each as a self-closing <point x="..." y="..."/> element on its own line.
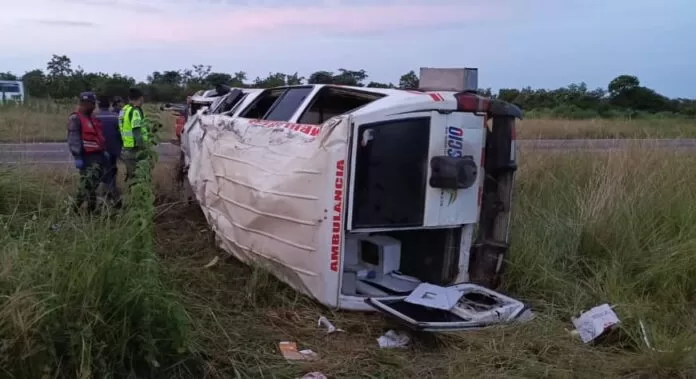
<point x="88" y="148"/>
<point x="117" y="104"/>
<point x="134" y="132"/>
<point x="112" y="134"/>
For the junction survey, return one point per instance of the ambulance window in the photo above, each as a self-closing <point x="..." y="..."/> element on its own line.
<point x="228" y="102"/>
<point x="234" y="107"/>
<point x="287" y="105"/>
<point x="262" y="104"/>
<point x="331" y="102"/>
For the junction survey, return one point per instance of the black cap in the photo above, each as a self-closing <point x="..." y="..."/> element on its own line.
<point x="89" y="97"/>
<point x="134" y="94"/>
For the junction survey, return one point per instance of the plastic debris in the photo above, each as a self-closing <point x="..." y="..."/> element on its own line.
<point x="314" y="375"/>
<point x="392" y="339"/>
<point x="330" y="328"/>
<point x="432" y="296"/>
<point x="596" y="322"/>
<point x="289" y="351"/>
<point x="212" y="263"/>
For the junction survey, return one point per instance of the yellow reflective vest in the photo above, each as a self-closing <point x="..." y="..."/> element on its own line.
<point x="131" y="118"/>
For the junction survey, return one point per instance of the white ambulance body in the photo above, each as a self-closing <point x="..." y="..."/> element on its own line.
<point x="356" y="196"/>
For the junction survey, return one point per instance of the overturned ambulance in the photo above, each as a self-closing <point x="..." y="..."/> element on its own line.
<point x="203" y="99"/>
<point x="357" y="196"/>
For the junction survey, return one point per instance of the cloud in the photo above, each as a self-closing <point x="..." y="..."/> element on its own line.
<point x="66" y="23"/>
<point x="120" y="5"/>
<point x="217" y="23"/>
<point x="286" y="22"/>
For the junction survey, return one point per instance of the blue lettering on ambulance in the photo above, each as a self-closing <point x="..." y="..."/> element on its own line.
<point x="454" y="142"/>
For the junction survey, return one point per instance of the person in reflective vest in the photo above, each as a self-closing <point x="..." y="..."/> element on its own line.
<point x="112" y="135"/>
<point x="88" y="147"/>
<point x="134" y="133"/>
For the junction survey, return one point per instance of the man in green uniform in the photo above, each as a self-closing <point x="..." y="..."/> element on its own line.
<point x="134" y="132"/>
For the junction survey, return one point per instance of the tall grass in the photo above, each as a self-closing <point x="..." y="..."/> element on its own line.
<point x="85" y="296"/>
<point x="616" y="227"/>
<point x="45" y="121"/>
<point x="598" y="128"/>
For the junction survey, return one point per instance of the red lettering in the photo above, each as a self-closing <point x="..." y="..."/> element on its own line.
<point x="306" y="129"/>
<point x="337" y="217"/>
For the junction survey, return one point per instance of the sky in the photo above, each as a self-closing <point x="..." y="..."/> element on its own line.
<point x="513" y="43"/>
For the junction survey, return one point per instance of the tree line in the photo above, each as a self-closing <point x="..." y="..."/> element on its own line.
<point x="623" y="97"/>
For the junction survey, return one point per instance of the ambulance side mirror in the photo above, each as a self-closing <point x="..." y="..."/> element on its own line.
<point x="453" y="173"/>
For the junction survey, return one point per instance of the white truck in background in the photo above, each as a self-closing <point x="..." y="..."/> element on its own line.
<point x="11" y="91"/>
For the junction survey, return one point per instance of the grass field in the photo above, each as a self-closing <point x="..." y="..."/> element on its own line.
<point x="618" y="227"/>
<point x="45" y="122"/>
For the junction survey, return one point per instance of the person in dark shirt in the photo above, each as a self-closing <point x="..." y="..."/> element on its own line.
<point x="87" y="145"/>
<point x="117" y="105"/>
<point x="112" y="134"/>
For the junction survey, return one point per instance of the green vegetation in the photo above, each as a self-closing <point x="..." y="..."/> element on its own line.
<point x="624" y="110"/>
<point x="81" y="298"/>
<point x="624" y="97"/>
<point x="84" y="297"/>
<point x="41" y="120"/>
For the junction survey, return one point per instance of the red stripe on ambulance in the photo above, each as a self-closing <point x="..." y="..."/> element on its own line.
<point x="336" y="222"/>
<point x="436" y="96"/>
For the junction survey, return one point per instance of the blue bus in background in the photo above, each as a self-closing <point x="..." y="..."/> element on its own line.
<point x="11" y="91"/>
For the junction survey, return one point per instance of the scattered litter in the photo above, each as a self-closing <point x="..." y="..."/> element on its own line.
<point x="290" y="352"/>
<point x="596" y="322"/>
<point x="55" y="228"/>
<point x="392" y="339"/>
<point x="314" y="375"/>
<point x="213" y="262"/>
<point x="432" y="296"/>
<point x="330" y="328"/>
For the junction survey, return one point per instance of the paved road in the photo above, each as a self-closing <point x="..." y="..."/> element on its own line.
<point x="57" y="153"/>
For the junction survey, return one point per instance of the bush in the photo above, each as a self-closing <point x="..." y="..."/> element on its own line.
<point x="83" y="297"/>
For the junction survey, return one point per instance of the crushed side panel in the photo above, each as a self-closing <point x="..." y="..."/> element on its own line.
<point x="264" y="188"/>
